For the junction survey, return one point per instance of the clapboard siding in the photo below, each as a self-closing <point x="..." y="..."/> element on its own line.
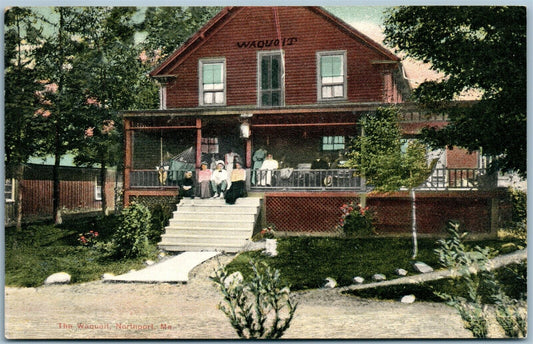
<point x="304" y="32"/>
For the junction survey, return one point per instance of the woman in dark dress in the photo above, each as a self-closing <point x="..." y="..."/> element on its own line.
<point x="238" y="186"/>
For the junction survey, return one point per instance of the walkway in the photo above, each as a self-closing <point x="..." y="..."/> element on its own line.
<point x="172" y="270"/>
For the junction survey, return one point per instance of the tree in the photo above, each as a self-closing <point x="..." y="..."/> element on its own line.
<point x="380" y="156"/>
<point x="21" y="39"/>
<point x="108" y="60"/>
<point x="60" y="120"/>
<point x="477" y="48"/>
<point x="184" y="21"/>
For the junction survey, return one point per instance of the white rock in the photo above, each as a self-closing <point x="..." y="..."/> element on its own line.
<point x="254" y="245"/>
<point x="379" y="277"/>
<point x="58" y="278"/>
<point x="330" y="283"/>
<point x="401" y="272"/>
<point x="271" y="247"/>
<point x="422" y="267"/>
<point x="107" y="276"/>
<point x="149" y="262"/>
<point x="408" y="299"/>
<point x="358" y="280"/>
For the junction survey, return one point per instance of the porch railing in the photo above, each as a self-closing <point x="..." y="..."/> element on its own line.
<point x="328" y="179"/>
<point x="460" y="178"/>
<point x="290" y="179"/>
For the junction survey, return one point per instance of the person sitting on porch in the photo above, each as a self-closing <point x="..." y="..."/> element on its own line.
<point x="237" y="188"/>
<point x="204" y="179"/>
<point x="219" y="180"/>
<point x="186" y="186"/>
<point x="266" y="170"/>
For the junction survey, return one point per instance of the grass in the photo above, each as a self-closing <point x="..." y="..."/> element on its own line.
<point x="305" y="262"/>
<point x="38" y="251"/>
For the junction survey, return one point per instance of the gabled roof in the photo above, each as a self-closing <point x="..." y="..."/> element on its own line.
<point x="225" y="15"/>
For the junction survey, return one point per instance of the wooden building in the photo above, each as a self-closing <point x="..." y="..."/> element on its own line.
<point x="293" y="81"/>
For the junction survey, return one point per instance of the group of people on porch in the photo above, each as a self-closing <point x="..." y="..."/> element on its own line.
<point x="216" y="183"/>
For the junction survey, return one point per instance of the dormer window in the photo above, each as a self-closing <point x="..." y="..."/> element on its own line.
<point x="331" y="75"/>
<point x="212" y="82"/>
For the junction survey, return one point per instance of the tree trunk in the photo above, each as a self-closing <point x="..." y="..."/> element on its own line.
<point x="413" y="223"/>
<point x="19" y="176"/>
<point x="56" y="191"/>
<point x="103" y="174"/>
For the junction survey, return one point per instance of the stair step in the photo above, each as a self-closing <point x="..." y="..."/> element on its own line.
<point x="211" y="223"/>
<point x="200" y="247"/>
<point x="191" y="215"/>
<point x="202" y="239"/>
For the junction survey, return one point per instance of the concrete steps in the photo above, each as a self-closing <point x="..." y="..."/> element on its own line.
<point x="211" y="225"/>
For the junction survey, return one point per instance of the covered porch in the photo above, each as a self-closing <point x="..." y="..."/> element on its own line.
<point x="309" y="143"/>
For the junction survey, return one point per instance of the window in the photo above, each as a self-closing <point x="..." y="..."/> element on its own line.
<point x="331" y="75"/>
<point x="332" y="143"/>
<point x="212" y="82"/>
<point x="9" y="193"/>
<point x="271" y="83"/>
<point x="97" y="189"/>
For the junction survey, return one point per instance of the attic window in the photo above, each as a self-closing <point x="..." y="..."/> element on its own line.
<point x="212" y="82"/>
<point x="331" y="75"/>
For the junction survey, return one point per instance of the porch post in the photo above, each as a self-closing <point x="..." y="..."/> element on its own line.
<point x="249" y="152"/>
<point x="198" y="143"/>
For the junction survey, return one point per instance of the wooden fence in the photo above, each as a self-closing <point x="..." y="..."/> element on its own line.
<point x="79" y="192"/>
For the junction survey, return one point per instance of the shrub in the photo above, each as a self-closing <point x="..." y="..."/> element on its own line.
<point x="255" y="307"/>
<point x="481" y="287"/>
<point x="130" y="240"/>
<point x="88" y="239"/>
<point x="265" y="233"/>
<point x="518" y="223"/>
<point x="161" y="214"/>
<point x="356" y="220"/>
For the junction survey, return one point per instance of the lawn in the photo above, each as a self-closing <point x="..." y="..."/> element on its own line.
<point x="305" y="262"/>
<point x="38" y="251"/>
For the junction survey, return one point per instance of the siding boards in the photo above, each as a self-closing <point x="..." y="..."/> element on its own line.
<point x="312" y="32"/>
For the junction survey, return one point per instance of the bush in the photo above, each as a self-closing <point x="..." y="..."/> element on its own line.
<point x="356" y="220"/>
<point x="518" y="223"/>
<point x="255" y="307"/>
<point x="130" y="240"/>
<point x="161" y="214"/>
<point x="481" y="286"/>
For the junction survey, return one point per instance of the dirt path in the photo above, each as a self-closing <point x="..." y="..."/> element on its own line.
<point x="189" y="311"/>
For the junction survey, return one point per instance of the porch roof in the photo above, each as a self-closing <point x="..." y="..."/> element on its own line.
<point x="253" y="109"/>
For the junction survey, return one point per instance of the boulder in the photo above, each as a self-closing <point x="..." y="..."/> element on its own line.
<point x="358" y="280"/>
<point x="330" y="283"/>
<point x="422" y="267"/>
<point x="58" y="278"/>
<point x="271" y="247"/>
<point x="408" y="299"/>
<point x="401" y="272"/>
<point x="107" y="276"/>
<point x="379" y="277"/>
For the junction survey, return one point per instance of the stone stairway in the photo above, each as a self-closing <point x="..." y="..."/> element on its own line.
<point x="211" y="225"/>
